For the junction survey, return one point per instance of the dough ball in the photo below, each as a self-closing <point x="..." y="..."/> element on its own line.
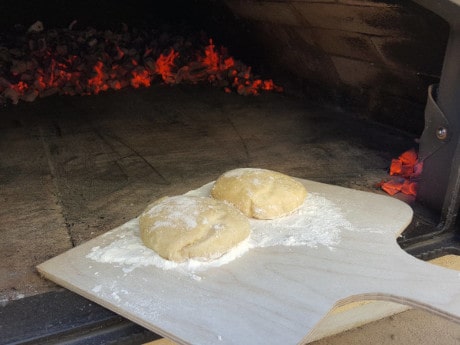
<point x="184" y="227"/>
<point x="260" y="193"/>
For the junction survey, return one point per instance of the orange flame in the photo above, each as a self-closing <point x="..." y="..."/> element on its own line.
<point x="164" y="66"/>
<point x="229" y="63"/>
<point x="98" y="81"/>
<point x="211" y="59"/>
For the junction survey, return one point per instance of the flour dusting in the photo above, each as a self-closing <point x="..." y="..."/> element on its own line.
<point x="317" y="222"/>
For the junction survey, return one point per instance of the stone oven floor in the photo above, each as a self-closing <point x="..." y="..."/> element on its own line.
<point x="72" y="168"/>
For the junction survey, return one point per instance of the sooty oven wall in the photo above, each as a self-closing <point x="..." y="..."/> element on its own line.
<point x="370" y="56"/>
<point x="377" y="57"/>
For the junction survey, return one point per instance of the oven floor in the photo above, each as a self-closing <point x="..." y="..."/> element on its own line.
<point x="73" y="168"/>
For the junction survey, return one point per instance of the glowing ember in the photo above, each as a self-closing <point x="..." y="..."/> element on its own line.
<point x="140" y="78"/>
<point x="406" y="170"/>
<point x="88" y="62"/>
<point x="21" y="86"/>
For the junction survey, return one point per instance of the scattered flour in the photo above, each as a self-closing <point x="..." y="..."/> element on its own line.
<point x="97" y="288"/>
<point x="318" y="222"/>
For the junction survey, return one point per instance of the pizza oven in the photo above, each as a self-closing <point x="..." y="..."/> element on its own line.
<point x="106" y="107"/>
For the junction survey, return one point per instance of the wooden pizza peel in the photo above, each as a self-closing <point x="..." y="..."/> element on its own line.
<point x="273" y="295"/>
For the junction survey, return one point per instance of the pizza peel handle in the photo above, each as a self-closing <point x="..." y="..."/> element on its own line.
<point x="386" y="275"/>
<point x="424" y="285"/>
<point x="420" y="284"/>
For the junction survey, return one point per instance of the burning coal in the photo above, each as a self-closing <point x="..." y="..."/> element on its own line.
<point x="40" y="63"/>
<point x="405" y="171"/>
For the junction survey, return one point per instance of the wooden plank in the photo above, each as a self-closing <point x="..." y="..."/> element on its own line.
<point x="272" y="295"/>
<point x="162" y="341"/>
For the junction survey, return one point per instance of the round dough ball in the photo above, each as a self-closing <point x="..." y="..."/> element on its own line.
<point x="260" y="193"/>
<point x="184" y="227"/>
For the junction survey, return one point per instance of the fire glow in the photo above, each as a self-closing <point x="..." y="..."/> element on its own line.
<point x="405" y="171"/>
<point x="91" y="62"/>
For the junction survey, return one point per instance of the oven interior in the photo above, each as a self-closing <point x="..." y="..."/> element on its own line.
<point x="362" y="82"/>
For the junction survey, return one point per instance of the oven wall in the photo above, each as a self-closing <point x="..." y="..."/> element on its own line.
<point x="374" y="57"/>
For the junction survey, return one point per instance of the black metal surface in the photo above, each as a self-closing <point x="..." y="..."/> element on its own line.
<point x="439" y="188"/>
<point x="63" y="317"/>
<point x="435" y="120"/>
<point x="434" y="247"/>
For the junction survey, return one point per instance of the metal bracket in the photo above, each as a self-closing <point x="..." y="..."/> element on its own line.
<point x="437" y="131"/>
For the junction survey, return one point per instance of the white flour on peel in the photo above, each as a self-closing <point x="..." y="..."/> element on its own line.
<point x="318" y="222"/>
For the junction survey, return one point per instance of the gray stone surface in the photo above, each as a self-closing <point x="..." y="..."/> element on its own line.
<point x="73" y="168"/>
